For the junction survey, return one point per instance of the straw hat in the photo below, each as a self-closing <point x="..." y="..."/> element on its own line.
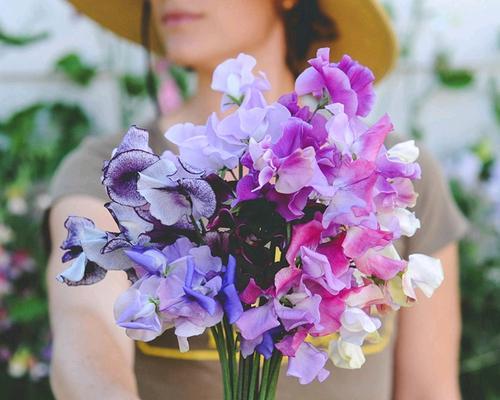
<point x="365" y="32"/>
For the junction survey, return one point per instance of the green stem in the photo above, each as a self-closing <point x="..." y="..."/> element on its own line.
<point x="240" y="170"/>
<point x="241" y="377"/>
<point x="231" y="350"/>
<point x="254" y="382"/>
<point x="264" y="380"/>
<point x="274" y="375"/>
<point x="221" y="349"/>
<point x="246" y="376"/>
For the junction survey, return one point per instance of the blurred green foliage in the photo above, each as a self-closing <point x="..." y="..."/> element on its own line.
<point x="456" y="78"/>
<point x="75" y="69"/>
<point x="20" y="40"/>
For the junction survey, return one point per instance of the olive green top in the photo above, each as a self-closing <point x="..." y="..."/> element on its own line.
<point x="164" y="373"/>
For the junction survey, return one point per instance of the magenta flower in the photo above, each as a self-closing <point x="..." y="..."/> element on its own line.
<point x="347" y="82"/>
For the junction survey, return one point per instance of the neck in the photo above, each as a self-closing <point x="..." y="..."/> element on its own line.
<point x="270" y="58"/>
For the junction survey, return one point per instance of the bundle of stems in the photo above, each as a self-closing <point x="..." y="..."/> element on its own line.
<point x="250" y="378"/>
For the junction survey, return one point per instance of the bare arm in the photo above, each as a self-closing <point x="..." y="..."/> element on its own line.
<point x="427" y="350"/>
<point x="92" y="358"/>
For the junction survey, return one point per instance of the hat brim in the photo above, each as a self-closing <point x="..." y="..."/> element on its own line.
<point x="365" y="32"/>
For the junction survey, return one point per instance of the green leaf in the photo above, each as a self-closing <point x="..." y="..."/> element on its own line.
<point x="28" y="309"/>
<point x="495" y="100"/>
<point x="75" y="69"/>
<point x="455" y="78"/>
<point x="21" y="40"/>
<point x="134" y="85"/>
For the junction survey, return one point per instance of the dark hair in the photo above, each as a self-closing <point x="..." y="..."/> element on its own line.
<point x="151" y="86"/>
<point x="305" y="25"/>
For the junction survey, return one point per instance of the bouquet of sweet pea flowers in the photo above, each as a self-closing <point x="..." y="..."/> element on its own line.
<point x="274" y="224"/>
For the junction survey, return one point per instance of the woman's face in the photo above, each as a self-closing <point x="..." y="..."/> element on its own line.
<point x="202" y="33"/>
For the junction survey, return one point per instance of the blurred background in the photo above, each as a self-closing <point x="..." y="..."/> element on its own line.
<point x="62" y="77"/>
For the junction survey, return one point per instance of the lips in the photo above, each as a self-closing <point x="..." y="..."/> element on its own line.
<point x="177" y="18"/>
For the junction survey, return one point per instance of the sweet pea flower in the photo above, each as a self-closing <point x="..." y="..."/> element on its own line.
<point x="157" y="262"/>
<point x="263" y="344"/>
<point x="295" y="305"/>
<point x="399" y="162"/>
<point x="399" y="220"/>
<point x="255" y="123"/>
<point x="394" y="192"/>
<point x="355" y="139"/>
<point x="347" y="82"/>
<point x="132" y="225"/>
<point x="405" y="152"/>
<point x="137" y="310"/>
<point x="255" y="321"/>
<point x="345" y="354"/>
<point x="383" y="263"/>
<point x="356" y="325"/>
<point x="173" y="196"/>
<point x="92" y="253"/>
<point x="235" y="79"/>
<point x="188" y="295"/>
<point x="205" y="147"/>
<point x="120" y="173"/>
<point x="308" y="364"/>
<point x="423" y="272"/>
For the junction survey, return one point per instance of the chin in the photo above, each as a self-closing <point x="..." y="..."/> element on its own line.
<point x="193" y="55"/>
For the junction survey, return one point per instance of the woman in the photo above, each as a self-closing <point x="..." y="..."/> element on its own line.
<point x="94" y="359"/>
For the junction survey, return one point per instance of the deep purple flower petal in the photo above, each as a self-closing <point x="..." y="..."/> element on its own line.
<point x="121" y="175"/>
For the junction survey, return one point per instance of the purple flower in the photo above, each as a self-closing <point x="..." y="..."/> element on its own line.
<point x="205" y="147"/>
<point x="86" y="246"/>
<point x="256" y="123"/>
<point x="172" y="196"/>
<point x="263" y="344"/>
<point x="347" y="82"/>
<point x="308" y="364"/>
<point x="295" y="305"/>
<point x="136" y="310"/>
<point x="120" y="174"/>
<point x="231" y="300"/>
<point x="189" y="290"/>
<point x="255" y="321"/>
<point x="286" y="172"/>
<point x="132" y="225"/>
<point x="353" y="138"/>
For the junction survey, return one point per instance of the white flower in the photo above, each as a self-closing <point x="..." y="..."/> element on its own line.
<point x="423" y="272"/>
<point x="404" y="152"/>
<point x="356" y="325"/>
<point x="234" y="77"/>
<point x="408" y="222"/>
<point x="6" y="234"/>
<point x="17" y="205"/>
<point x="346" y="355"/>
